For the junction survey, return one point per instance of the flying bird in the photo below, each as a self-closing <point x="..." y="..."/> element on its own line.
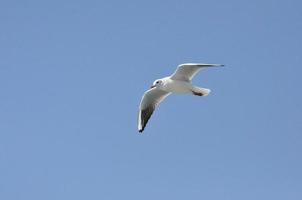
<point x="179" y="82"/>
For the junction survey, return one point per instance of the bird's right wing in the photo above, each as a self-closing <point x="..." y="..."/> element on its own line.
<point x="149" y="101"/>
<point x="186" y="71"/>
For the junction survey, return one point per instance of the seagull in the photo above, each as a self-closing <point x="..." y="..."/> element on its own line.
<point x="180" y="82"/>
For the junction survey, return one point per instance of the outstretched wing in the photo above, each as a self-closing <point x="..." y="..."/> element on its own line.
<point x="148" y="104"/>
<point x="186" y="71"/>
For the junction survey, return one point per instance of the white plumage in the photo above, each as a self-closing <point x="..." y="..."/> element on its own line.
<point x="178" y="82"/>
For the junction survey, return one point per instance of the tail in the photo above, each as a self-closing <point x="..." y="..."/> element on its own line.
<point x="200" y="91"/>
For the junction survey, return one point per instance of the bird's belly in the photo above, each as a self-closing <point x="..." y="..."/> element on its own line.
<point x="178" y="87"/>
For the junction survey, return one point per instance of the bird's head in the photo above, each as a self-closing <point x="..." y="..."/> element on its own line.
<point x="157" y="83"/>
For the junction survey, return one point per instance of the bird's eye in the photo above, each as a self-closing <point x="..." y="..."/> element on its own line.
<point x="157" y="82"/>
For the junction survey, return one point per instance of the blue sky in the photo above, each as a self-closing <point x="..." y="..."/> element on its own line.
<point x="72" y="74"/>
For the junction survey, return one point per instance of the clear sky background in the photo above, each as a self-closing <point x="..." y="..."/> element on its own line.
<point x="72" y="74"/>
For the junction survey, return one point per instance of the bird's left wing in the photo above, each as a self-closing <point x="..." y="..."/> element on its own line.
<point x="186" y="71"/>
<point x="149" y="101"/>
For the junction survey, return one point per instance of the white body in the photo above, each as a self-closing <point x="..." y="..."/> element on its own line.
<point x="176" y="86"/>
<point x="181" y="87"/>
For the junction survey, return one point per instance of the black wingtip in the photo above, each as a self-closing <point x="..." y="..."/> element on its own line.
<point x="141" y="130"/>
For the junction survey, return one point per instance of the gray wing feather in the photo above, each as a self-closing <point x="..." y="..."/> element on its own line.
<point x="187" y="71"/>
<point x="149" y="102"/>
